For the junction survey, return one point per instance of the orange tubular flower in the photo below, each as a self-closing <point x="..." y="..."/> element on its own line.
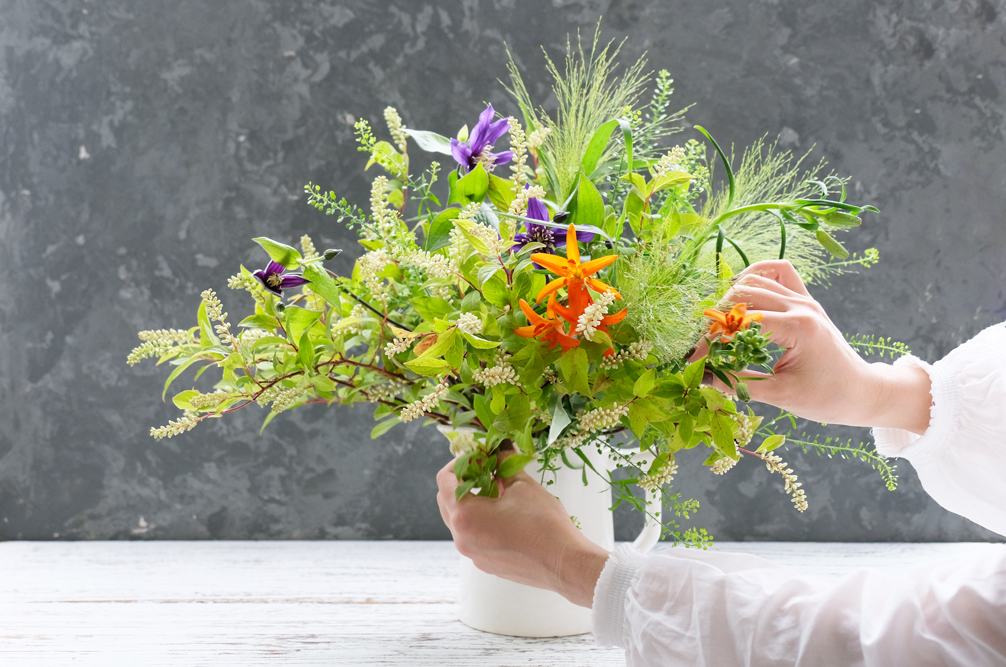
<point x="728" y="324"/>
<point x="549" y="328"/>
<point x="573" y="275"/>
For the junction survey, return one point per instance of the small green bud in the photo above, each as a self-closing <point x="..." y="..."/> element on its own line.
<point x="841" y="219"/>
<point x="332" y="253"/>
<point x="280" y="307"/>
<point x="741" y="388"/>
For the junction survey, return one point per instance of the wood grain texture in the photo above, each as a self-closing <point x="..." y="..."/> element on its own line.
<point x="298" y="603"/>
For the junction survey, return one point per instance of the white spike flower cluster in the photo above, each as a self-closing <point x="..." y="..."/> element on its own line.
<point x="425" y="404"/>
<point x="395" y="127"/>
<point x="746" y="427"/>
<point x="371" y="264"/>
<point x="670" y="162"/>
<point x="518" y="145"/>
<point x="597" y="419"/>
<point x="201" y="401"/>
<point x="240" y="281"/>
<point x="187" y="422"/>
<point x="659" y="479"/>
<point x="499" y="373"/>
<point x="774" y="463"/>
<point x="519" y="205"/>
<point x="724" y="465"/>
<point x="384" y="392"/>
<point x="156" y="342"/>
<point x="462" y="443"/>
<point x="470" y="323"/>
<point x="215" y="312"/>
<point x="307" y="247"/>
<point x="537" y="138"/>
<point x="549" y="375"/>
<point x="638" y="351"/>
<point x="388" y="226"/>
<point x="489" y="237"/>
<point x="397" y="346"/>
<point x="252" y="335"/>
<point x="286" y="398"/>
<point x="592" y="315"/>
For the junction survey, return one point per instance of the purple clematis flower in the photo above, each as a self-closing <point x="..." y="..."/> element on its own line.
<point x="480" y="142"/>
<point x="550" y="236"/>
<point x="272" y="278"/>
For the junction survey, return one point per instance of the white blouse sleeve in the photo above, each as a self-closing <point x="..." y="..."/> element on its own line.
<point x="684" y="607"/>
<point x="961" y="458"/>
<point x="708" y="609"/>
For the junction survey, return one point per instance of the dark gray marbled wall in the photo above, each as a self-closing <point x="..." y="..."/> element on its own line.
<point x="144" y="143"/>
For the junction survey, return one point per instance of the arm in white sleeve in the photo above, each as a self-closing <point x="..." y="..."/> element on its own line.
<point x="961" y="458"/>
<point x="708" y="609"/>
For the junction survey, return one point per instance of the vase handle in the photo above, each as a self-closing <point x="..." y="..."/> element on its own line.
<point x="652" y="526"/>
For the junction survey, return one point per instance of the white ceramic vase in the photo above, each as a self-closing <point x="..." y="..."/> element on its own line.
<point x="489" y="603"/>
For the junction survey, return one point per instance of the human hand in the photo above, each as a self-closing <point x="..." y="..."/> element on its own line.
<point x="820" y="376"/>
<point x="525" y="535"/>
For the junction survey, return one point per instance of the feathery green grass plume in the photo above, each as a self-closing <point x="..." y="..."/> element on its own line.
<point x="768" y="173"/>
<point x="589" y="95"/>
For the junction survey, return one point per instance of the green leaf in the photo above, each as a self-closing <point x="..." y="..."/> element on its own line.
<point x="305" y="356"/>
<point x="175" y="373"/>
<point x="589" y="206"/>
<point x="516" y="415"/>
<point x="496" y="291"/>
<point x="483" y="410"/>
<point x="383" y="427"/>
<point x="771" y="442"/>
<point x="595" y="149"/>
<point x="693" y="373"/>
<point x="560" y="420"/>
<point x="181" y="399"/>
<point x="465" y="487"/>
<point x="299" y="320"/>
<point x="627" y="135"/>
<point x="713" y="398"/>
<point x="645" y="383"/>
<point x="500" y="192"/>
<point x="831" y="245"/>
<point x="444" y="342"/>
<point x="428" y="366"/>
<point x="523" y="440"/>
<point x="513" y="464"/>
<point x="265" y="341"/>
<point x="322" y="284"/>
<point x="726" y="165"/>
<point x="259" y="322"/>
<point x="669" y="180"/>
<point x="431" y="307"/>
<point x="206" y="335"/>
<point x="456" y="354"/>
<point x="498" y="402"/>
<point x="480" y="343"/>
<point x="721" y="428"/>
<point x="439" y="234"/>
<point x="471" y="187"/>
<point x="280" y="252"/>
<point x="487" y="271"/>
<point x="637" y="419"/>
<point x="431" y="142"/>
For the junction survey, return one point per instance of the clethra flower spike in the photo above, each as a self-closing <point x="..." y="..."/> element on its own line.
<point x="272" y="278"/>
<point x="480" y="142"/>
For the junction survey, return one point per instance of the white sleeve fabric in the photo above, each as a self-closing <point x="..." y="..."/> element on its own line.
<point x="708" y="609"/>
<point x="961" y="458"/>
<point x="684" y="607"/>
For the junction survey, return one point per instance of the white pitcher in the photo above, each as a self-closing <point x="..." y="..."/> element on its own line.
<point x="487" y="602"/>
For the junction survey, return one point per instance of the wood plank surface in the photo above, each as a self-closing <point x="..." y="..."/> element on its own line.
<point x="299" y="603"/>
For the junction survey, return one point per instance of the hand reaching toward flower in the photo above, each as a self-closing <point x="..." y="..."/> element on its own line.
<point x="525" y="535"/>
<point x="820" y="376"/>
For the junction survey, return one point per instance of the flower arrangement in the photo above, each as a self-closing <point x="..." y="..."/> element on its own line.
<point x="554" y="301"/>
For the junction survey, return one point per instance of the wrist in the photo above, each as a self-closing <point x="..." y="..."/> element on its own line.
<point x="578" y="567"/>
<point x="903" y="398"/>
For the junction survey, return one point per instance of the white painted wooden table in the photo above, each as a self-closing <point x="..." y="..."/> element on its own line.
<point x="296" y="603"/>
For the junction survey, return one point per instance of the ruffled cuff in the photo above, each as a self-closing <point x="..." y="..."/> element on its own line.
<point x="943" y="414"/>
<point x="608" y="609"/>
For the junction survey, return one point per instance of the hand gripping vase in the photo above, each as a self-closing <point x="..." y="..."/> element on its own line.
<point x="489" y="603"/>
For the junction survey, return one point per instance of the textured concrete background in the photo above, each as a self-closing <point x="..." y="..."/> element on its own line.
<point x="144" y="143"/>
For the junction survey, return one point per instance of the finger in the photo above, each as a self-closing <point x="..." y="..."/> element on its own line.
<point x="758" y="298"/>
<point x="754" y="376"/>
<point x="780" y="271"/>
<point x="756" y="280"/>
<point x="783" y="329"/>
